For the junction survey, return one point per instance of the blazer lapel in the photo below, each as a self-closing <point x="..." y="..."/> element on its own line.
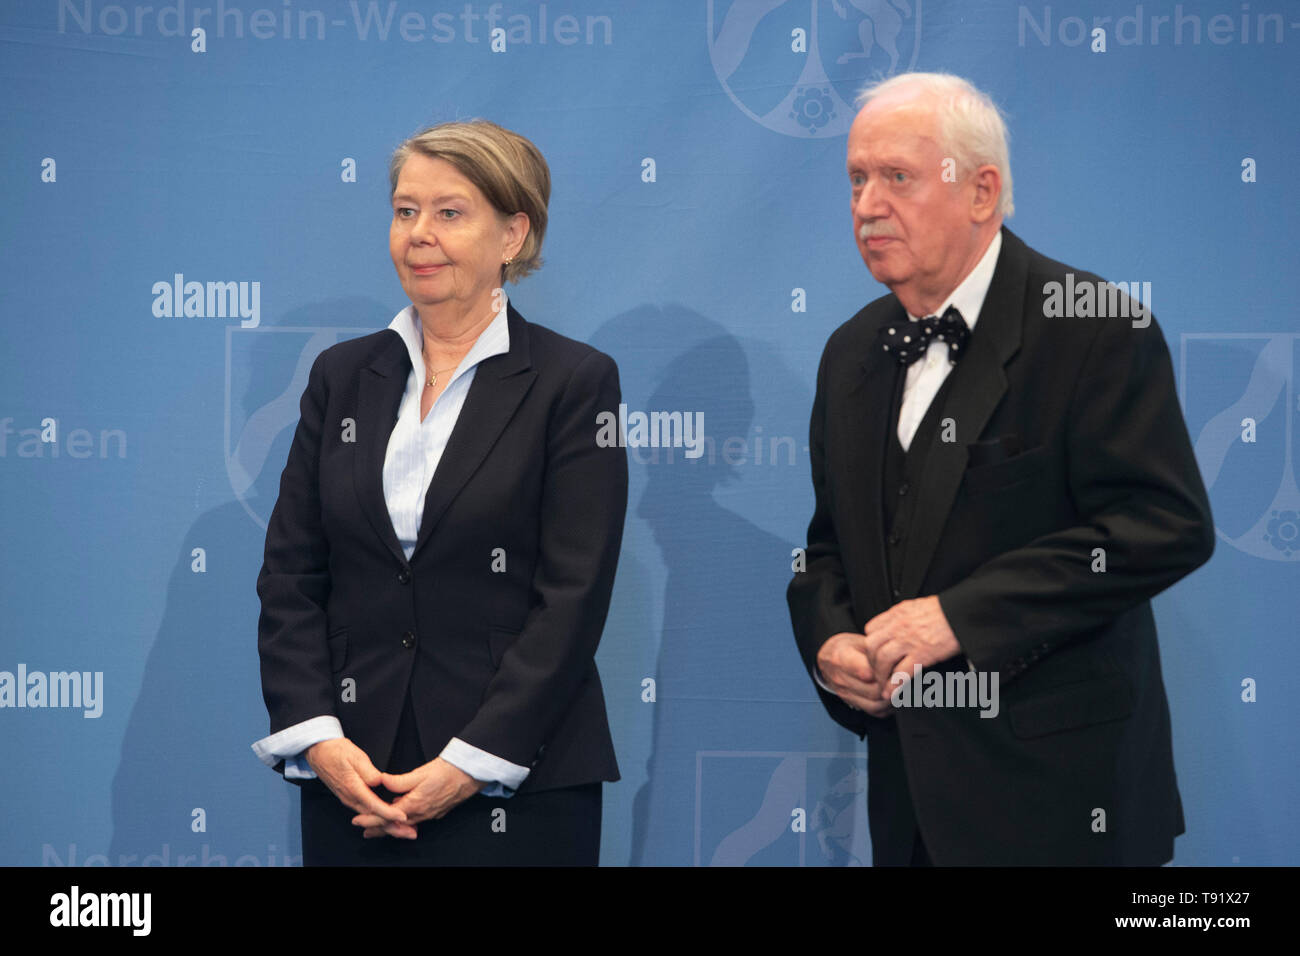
<point x="380" y="391"/>
<point x="868" y="401"/>
<point x="499" y="385"/>
<point x="978" y="384"/>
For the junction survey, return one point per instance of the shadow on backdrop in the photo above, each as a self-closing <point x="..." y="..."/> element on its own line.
<point x="186" y="745"/>
<point x="739" y="742"/>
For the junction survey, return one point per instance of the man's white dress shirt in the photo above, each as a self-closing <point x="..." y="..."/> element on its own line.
<point x="927" y="374"/>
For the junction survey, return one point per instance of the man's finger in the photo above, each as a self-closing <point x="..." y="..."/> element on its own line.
<point x="844" y="682"/>
<point x="872" y="704"/>
<point x="887" y="660"/>
<point x="905" y="666"/>
<point x="872" y="645"/>
<point x="855" y="664"/>
<point x="879" y="708"/>
<point x="870" y="695"/>
<point x="881" y="622"/>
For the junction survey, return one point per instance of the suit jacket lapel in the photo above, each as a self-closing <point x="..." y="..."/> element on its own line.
<point x="869" y="399"/>
<point x="380" y="391"/>
<point x="978" y="384"/>
<point x="499" y="385"/>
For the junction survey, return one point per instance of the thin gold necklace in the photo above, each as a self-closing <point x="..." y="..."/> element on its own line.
<point x="434" y="379"/>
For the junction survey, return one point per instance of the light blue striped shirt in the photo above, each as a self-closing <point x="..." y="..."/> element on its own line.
<point x="414" y="449"/>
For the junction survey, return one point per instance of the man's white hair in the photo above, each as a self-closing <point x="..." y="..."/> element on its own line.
<point x="971" y="128"/>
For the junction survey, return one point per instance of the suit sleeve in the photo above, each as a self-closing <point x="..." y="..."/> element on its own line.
<point x="1135" y="485"/>
<point x="294" y="582"/>
<point x="583" y="503"/>
<point x="818" y="596"/>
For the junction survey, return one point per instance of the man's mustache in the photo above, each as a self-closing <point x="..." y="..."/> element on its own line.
<point x="868" y="231"/>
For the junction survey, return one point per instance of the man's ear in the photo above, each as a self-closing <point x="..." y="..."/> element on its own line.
<point x="988" y="189"/>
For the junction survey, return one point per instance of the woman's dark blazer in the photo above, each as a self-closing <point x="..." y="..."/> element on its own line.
<point x="493" y="623"/>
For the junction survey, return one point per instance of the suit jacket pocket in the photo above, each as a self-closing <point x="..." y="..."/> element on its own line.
<point x="499" y="640"/>
<point x="1081" y="704"/>
<point x="985" y="478"/>
<point x="993" y="450"/>
<point x="338" y="645"/>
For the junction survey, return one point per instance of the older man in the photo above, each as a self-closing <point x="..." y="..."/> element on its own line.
<point x="1000" y="490"/>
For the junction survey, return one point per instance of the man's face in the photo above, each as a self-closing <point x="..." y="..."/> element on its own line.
<point x="913" y="229"/>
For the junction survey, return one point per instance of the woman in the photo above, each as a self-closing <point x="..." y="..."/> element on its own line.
<point x="439" y="563"/>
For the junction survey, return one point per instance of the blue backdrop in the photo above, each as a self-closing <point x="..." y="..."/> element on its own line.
<point x="700" y="234"/>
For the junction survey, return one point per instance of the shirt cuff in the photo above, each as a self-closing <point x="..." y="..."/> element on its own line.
<point x="290" y="744"/>
<point x="504" y="777"/>
<point x="817" y="676"/>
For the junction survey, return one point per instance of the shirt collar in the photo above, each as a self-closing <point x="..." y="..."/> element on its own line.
<point x="969" y="295"/>
<point x="494" y="340"/>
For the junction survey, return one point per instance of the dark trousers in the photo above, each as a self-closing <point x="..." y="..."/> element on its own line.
<point x="550" y="828"/>
<point x="919" y="855"/>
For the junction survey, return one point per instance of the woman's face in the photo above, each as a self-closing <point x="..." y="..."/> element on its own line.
<point x="447" y="241"/>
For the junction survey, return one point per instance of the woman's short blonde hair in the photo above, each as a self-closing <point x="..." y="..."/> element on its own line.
<point x="507" y="168"/>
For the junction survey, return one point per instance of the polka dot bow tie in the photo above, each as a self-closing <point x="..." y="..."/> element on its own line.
<point x="908" y="340"/>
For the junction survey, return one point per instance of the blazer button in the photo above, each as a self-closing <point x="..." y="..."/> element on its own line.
<point x="404" y="576"/>
<point x="895" y="537"/>
<point x="897" y="593"/>
<point x="904" y="488"/>
<point x="408" y="640"/>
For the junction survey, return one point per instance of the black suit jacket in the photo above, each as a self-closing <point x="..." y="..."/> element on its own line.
<point x="1006" y="540"/>
<point x="502" y="659"/>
